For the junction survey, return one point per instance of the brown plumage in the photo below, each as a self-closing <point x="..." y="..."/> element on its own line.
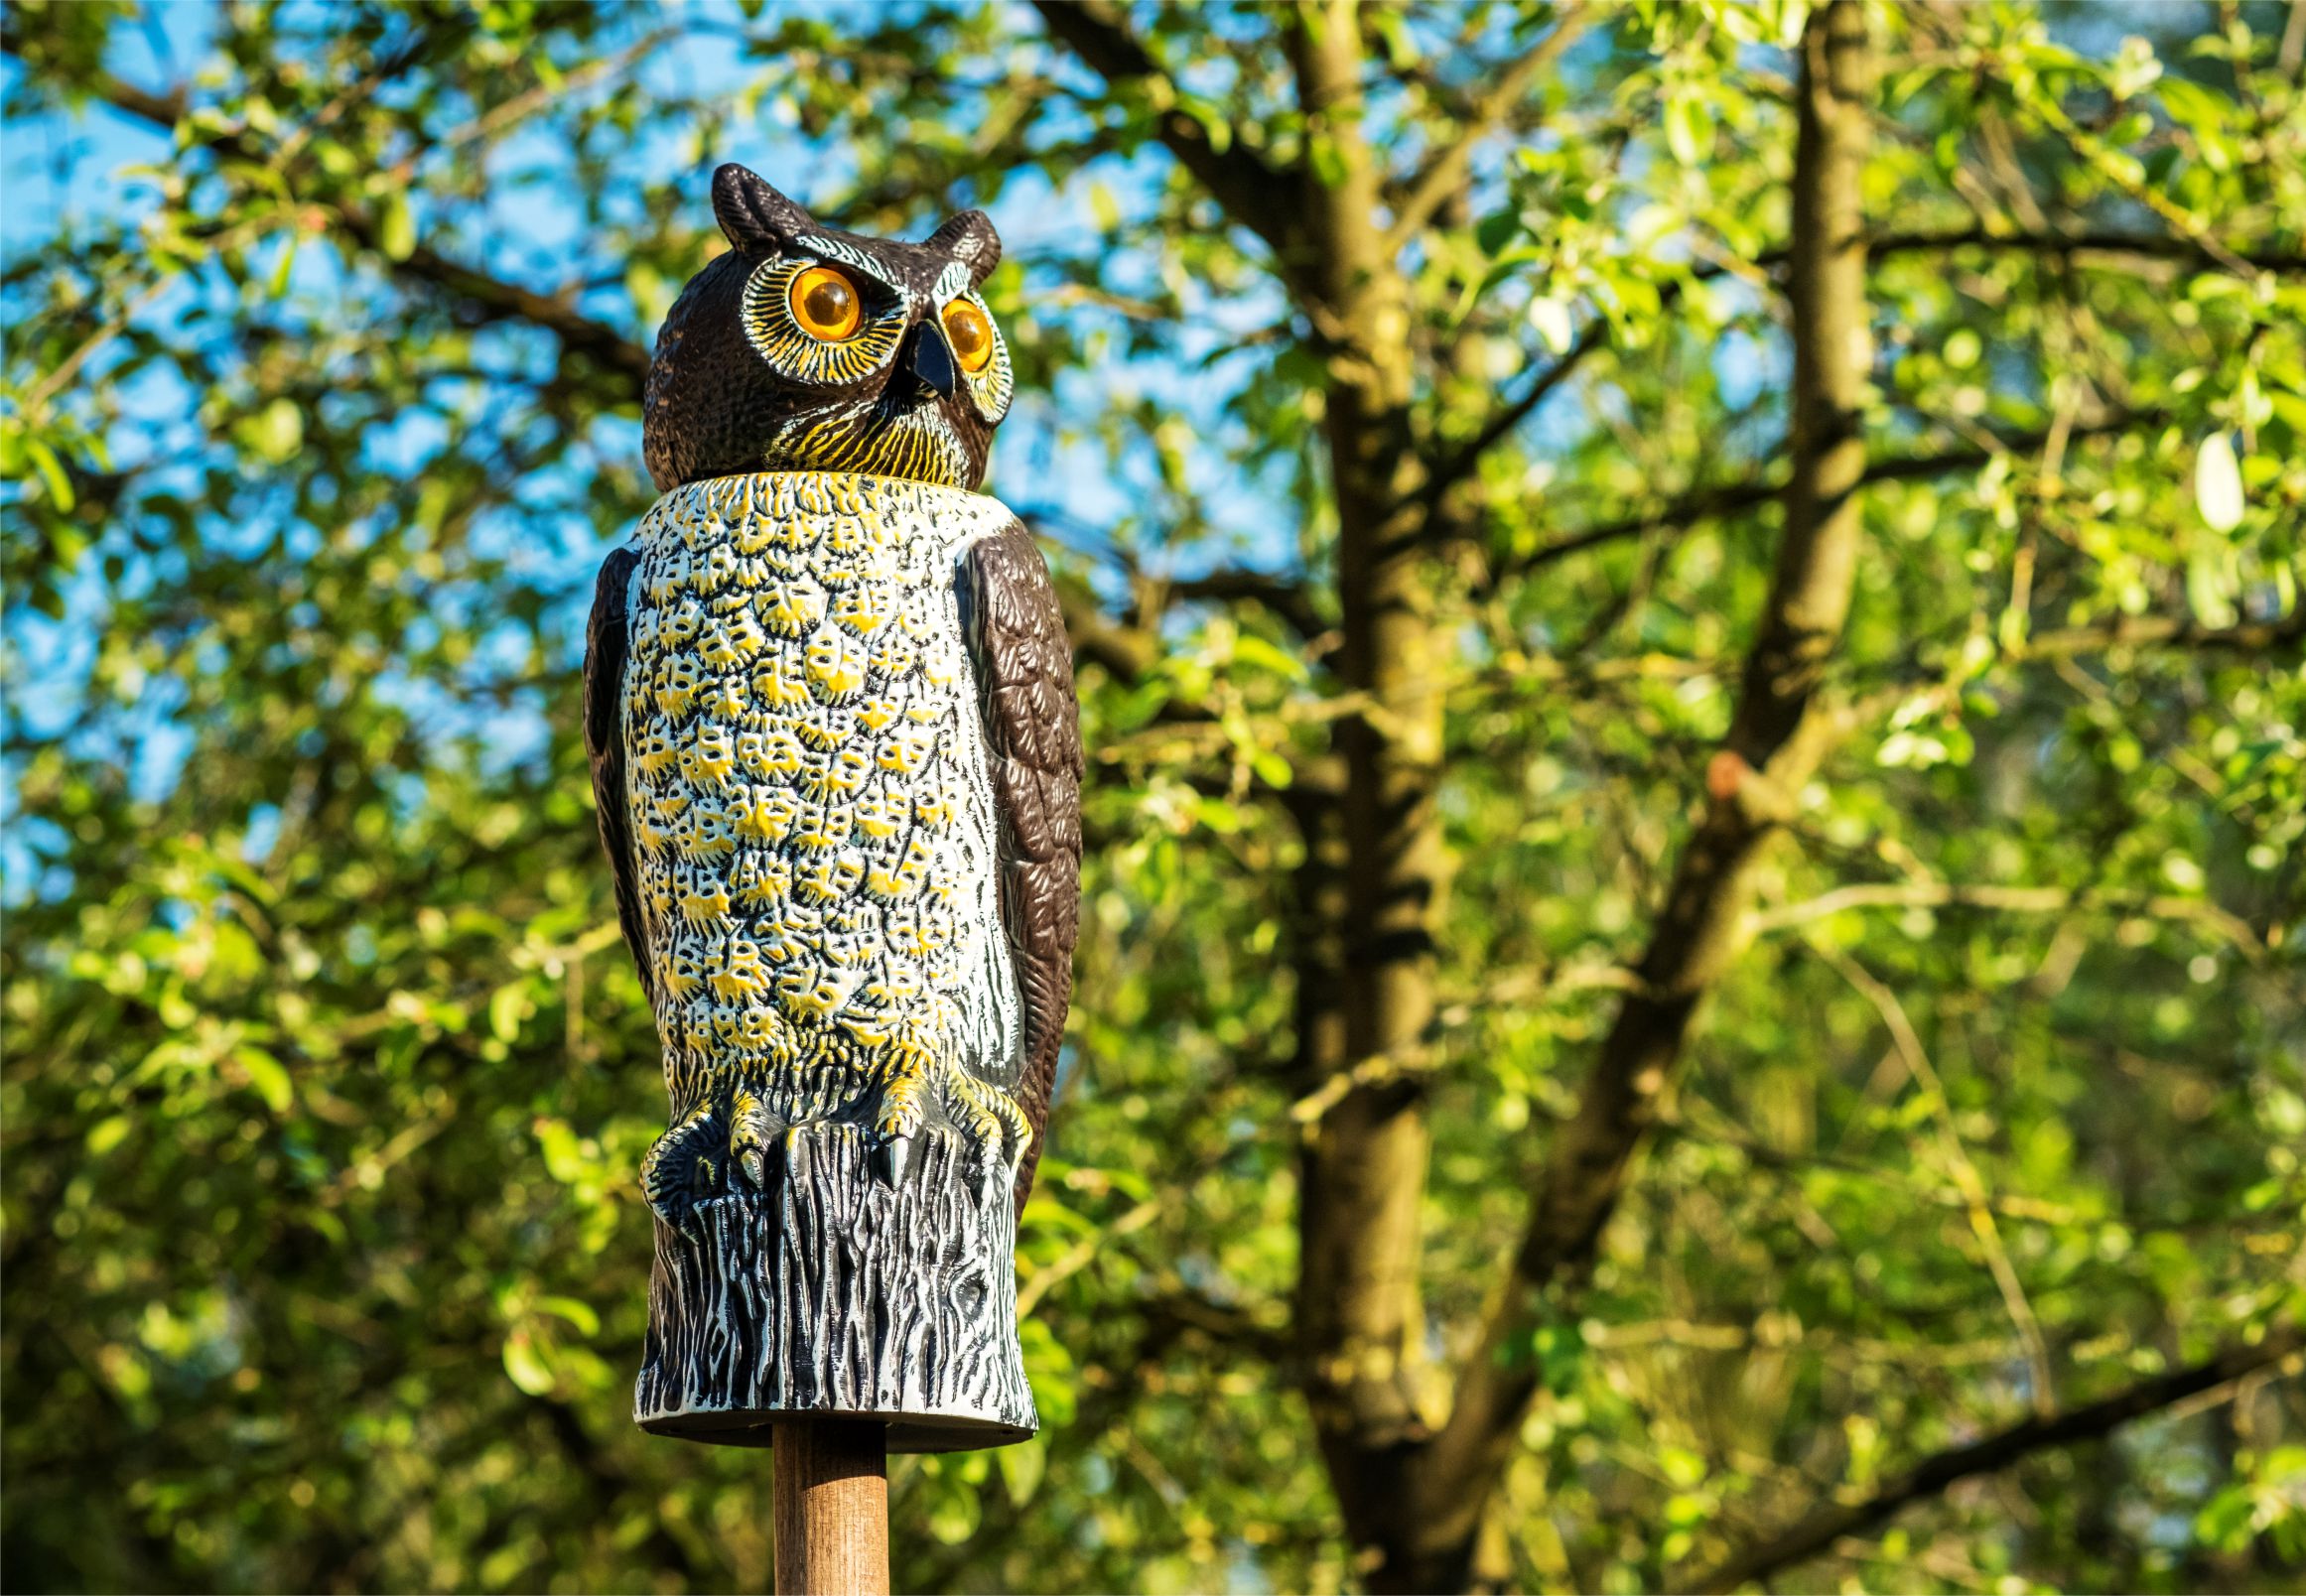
<point x="606" y="646"/>
<point x="1033" y="726"/>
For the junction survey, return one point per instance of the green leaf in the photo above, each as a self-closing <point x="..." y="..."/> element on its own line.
<point x="1021" y="1467"/>
<point x="508" y="1006"/>
<point x="1327" y="160"/>
<point x="52" y="471"/>
<point x="268" y="1075"/>
<point x="396" y="228"/>
<point x="275" y="432"/>
<point x="2217" y="490"/>
<point x="577" y="1314"/>
<point x="1496" y="229"/>
<point x="283" y="267"/>
<point x="954" y="1513"/>
<point x="2192" y="105"/>
<point x="527" y="1365"/>
<point x="1049" y="1367"/>
<point x="1689" y="129"/>
<point x="1104" y="208"/>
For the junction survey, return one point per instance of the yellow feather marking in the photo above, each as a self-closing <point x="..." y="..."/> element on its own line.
<point x="905" y="753"/>
<point x="833" y="877"/>
<point x="822" y="826"/>
<point x="781" y="684"/>
<point x="813" y="994"/>
<point x="702" y="906"/>
<point x="792" y="607"/>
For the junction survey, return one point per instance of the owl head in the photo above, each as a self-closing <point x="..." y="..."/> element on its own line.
<point x="805" y="348"/>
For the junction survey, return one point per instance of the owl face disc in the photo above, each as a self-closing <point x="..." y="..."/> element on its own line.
<point x="806" y="349"/>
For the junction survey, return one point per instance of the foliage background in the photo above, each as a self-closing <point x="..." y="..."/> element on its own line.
<point x="326" y="1079"/>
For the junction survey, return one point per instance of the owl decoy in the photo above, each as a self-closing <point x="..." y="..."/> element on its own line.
<point x="830" y="709"/>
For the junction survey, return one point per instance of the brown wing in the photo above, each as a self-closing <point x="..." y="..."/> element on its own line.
<point x="1033" y="727"/>
<point x="606" y="650"/>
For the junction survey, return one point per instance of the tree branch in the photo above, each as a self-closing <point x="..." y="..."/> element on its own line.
<point x="491" y="299"/>
<point x="482" y="297"/>
<point x="1911" y="684"/>
<point x="1730" y="498"/>
<point x="2087" y="1422"/>
<point x="2156" y="246"/>
<point x="1289" y="600"/>
<point x="2149" y="246"/>
<point x="1462" y="461"/>
<point x="2007" y="899"/>
<point x="2140" y="631"/>
<point x="1251" y="193"/>
<point x="1125" y="652"/>
<point x="1433" y="185"/>
<point x="1223" y="1322"/>
<point x="1784" y="721"/>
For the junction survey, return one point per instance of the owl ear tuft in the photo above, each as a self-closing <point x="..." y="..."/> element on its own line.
<point x="970" y="239"/>
<point x="753" y="214"/>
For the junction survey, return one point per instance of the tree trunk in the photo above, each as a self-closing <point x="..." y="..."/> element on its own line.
<point x="1783" y="725"/>
<point x="1359" y="1316"/>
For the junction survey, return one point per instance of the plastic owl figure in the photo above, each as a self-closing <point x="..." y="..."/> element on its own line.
<point x="830" y="709"/>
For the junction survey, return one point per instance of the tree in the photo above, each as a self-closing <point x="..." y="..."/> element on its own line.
<point x="1688" y="634"/>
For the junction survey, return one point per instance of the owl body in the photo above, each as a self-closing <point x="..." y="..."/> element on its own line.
<point x="829" y="703"/>
<point x="814" y="809"/>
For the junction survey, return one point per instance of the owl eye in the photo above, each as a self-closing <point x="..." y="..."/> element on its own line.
<point x="970" y="333"/>
<point x="826" y="304"/>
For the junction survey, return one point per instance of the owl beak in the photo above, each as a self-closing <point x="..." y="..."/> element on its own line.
<point x="932" y="364"/>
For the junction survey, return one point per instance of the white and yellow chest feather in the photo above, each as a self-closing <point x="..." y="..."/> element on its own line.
<point x="813" y="821"/>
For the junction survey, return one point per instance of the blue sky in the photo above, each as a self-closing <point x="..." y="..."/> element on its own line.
<point x="63" y="173"/>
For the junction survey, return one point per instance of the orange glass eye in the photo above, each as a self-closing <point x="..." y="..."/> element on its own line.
<point x="826" y="304"/>
<point x="970" y="333"/>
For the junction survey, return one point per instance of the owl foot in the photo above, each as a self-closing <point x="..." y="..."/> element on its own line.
<point x="680" y="1169"/>
<point x="991" y="1114"/>
<point x="982" y="1115"/>
<point x="754" y="1138"/>
<point x="899" y="1117"/>
<point x="901" y="1092"/>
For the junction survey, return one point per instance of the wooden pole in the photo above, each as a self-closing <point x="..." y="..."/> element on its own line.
<point x="832" y="1508"/>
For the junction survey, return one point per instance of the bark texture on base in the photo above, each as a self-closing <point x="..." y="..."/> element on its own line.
<point x="835" y="1294"/>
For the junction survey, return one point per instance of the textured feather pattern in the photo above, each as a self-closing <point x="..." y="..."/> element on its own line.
<point x="1033" y="729"/>
<point x="607" y="646"/>
<point x="814" y="824"/>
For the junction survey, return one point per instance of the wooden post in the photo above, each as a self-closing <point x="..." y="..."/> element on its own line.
<point x="832" y="1508"/>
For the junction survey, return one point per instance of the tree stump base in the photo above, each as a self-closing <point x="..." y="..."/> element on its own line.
<point x="835" y="1294"/>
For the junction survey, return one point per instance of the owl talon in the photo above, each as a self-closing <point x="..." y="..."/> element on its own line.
<point x="894" y="1157"/>
<point x="676" y="1173"/>
<point x="991" y="1114"/>
<point x="754" y="1138"/>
